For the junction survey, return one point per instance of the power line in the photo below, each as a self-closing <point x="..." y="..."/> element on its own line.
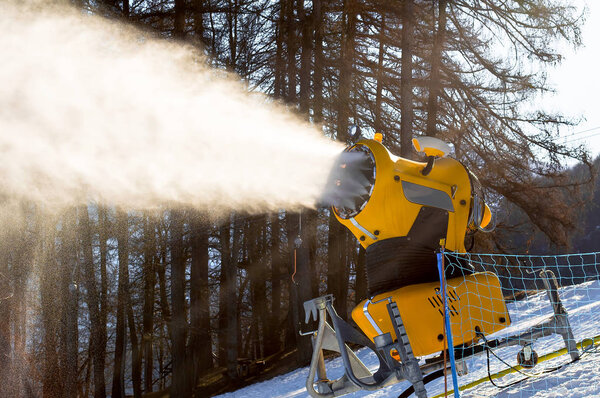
<point x="582" y="138"/>
<point x="582" y="131"/>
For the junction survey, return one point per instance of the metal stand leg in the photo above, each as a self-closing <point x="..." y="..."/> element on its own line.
<point x="411" y="367"/>
<point x="356" y="376"/>
<point x="557" y="324"/>
<point x="322" y="379"/>
<point x="563" y="327"/>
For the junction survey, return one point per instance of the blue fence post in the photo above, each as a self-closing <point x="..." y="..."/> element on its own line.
<point x="440" y="261"/>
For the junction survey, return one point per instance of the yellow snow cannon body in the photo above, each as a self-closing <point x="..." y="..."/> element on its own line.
<point x="403" y="212"/>
<point x="399" y="191"/>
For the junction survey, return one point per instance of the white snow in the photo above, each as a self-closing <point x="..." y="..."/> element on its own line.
<point x="578" y="379"/>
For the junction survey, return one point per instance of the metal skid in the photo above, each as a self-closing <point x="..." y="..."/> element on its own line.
<point x="391" y="371"/>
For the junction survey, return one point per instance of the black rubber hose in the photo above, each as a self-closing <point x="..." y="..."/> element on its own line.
<point x="426" y="379"/>
<point x="427" y="169"/>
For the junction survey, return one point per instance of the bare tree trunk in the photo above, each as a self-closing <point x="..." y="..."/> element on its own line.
<point x="18" y="275"/>
<point x="223" y="299"/>
<point x="126" y="10"/>
<point x="436" y="61"/>
<point x="233" y="313"/>
<point x="290" y="26"/>
<point x="179" y="28"/>
<point x="69" y="304"/>
<point x="103" y="234"/>
<point x="148" y="316"/>
<point x="52" y="382"/>
<point x="93" y="304"/>
<point x="300" y="287"/>
<point x="346" y="69"/>
<point x="199" y="10"/>
<point x="263" y="249"/>
<point x="319" y="62"/>
<point x="229" y="268"/>
<point x="278" y="71"/>
<point x="161" y="358"/>
<point x="232" y="30"/>
<point x="256" y="273"/>
<point x="241" y="241"/>
<point x="406" y="85"/>
<point x="310" y="223"/>
<point x="136" y="357"/>
<point x="305" y="57"/>
<point x="85" y="387"/>
<point x="336" y="265"/>
<point x="200" y="338"/>
<point x="110" y="6"/>
<point x="5" y="315"/>
<point x="275" y="329"/>
<point x="380" y="77"/>
<point x="180" y="386"/>
<point x="118" y="388"/>
<point x="162" y="283"/>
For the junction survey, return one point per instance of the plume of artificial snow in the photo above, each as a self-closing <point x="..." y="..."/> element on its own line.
<point x="94" y="110"/>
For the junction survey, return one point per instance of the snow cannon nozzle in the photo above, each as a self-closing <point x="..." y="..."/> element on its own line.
<point x="380" y="196"/>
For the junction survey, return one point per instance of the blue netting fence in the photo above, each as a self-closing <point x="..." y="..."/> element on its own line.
<point x="527" y="353"/>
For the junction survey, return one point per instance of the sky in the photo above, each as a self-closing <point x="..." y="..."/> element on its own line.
<point x="577" y="84"/>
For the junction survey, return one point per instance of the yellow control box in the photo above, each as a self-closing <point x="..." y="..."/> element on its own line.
<point x="474" y="301"/>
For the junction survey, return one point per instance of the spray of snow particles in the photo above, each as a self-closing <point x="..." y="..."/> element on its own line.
<point x="92" y="110"/>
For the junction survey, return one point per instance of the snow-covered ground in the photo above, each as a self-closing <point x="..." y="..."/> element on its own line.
<point x="580" y="379"/>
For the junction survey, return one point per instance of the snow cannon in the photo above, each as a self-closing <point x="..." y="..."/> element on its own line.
<point x="405" y="210"/>
<point x="400" y="210"/>
<point x="406" y="214"/>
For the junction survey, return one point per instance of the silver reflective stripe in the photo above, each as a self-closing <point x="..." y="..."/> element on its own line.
<point x="370" y="318"/>
<point x="363" y="229"/>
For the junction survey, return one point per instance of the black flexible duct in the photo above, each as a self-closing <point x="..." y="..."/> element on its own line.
<point x="426" y="379"/>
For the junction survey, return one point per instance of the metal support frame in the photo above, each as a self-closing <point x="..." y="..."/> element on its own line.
<point x="561" y="318"/>
<point x="410" y="364"/>
<point x="358" y="377"/>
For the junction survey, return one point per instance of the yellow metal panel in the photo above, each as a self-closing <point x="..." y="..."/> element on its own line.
<point x="389" y="212"/>
<point x="474" y="301"/>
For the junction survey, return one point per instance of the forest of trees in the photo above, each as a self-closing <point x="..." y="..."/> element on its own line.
<point x="102" y="301"/>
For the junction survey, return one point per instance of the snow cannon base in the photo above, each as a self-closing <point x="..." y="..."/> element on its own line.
<point x="479" y="309"/>
<point x="475" y="302"/>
